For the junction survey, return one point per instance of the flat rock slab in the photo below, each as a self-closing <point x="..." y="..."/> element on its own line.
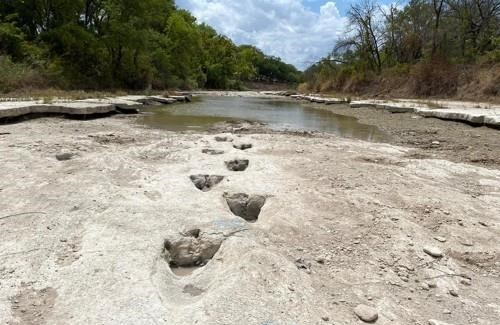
<point x="90" y="106"/>
<point x="15" y="109"/>
<point x="469" y="112"/>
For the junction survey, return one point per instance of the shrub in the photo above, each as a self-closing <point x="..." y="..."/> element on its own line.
<point x="435" y="77"/>
<point x="14" y="76"/>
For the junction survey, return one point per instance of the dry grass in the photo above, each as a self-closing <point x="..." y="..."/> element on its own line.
<point x="435" y="78"/>
<point x="428" y="81"/>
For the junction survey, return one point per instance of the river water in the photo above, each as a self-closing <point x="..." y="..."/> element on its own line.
<point x="278" y="114"/>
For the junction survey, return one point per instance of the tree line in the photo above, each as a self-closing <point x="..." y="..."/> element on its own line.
<point x="424" y="37"/>
<point x="128" y="44"/>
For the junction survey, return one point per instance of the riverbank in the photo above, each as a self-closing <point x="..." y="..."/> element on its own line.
<point x="475" y="113"/>
<point x="92" y="212"/>
<point x="11" y="108"/>
<point x="429" y="135"/>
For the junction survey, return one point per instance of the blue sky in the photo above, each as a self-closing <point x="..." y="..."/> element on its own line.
<point x="315" y="5"/>
<point x="298" y="31"/>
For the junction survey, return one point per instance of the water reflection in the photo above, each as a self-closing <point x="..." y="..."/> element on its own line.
<point x="277" y="113"/>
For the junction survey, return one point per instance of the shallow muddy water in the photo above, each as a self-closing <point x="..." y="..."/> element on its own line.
<point x="278" y="114"/>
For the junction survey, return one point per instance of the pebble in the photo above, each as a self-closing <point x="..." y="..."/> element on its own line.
<point x="437" y="322"/>
<point x="433" y="251"/>
<point x="453" y="293"/>
<point x="440" y="239"/>
<point x="366" y="313"/>
<point x="64" y="156"/>
<point x="466" y="282"/>
<point x="325" y="318"/>
<point x="447" y="312"/>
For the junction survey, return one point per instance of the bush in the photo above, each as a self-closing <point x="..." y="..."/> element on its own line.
<point x="435" y="77"/>
<point x="15" y="76"/>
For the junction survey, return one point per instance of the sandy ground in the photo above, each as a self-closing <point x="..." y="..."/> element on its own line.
<point x="345" y="223"/>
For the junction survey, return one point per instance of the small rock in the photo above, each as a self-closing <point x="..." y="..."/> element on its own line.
<point x="440" y="239"/>
<point x="466" y="282"/>
<point x="436" y="143"/>
<point x="433" y="251"/>
<point x="325" y="318"/>
<point x="366" y="313"/>
<point x="64" y="156"/>
<point x="453" y="293"/>
<point x="484" y="224"/>
<point x="437" y="322"/>
<point x="447" y="312"/>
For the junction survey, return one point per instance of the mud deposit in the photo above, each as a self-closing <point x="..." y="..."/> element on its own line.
<point x="431" y="137"/>
<point x="350" y="230"/>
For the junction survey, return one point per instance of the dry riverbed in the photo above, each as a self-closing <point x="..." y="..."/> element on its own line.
<point x="93" y="212"/>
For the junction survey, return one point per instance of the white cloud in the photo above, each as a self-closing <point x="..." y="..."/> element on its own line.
<point x="284" y="28"/>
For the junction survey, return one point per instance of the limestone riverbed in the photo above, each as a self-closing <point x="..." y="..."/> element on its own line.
<point x="345" y="229"/>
